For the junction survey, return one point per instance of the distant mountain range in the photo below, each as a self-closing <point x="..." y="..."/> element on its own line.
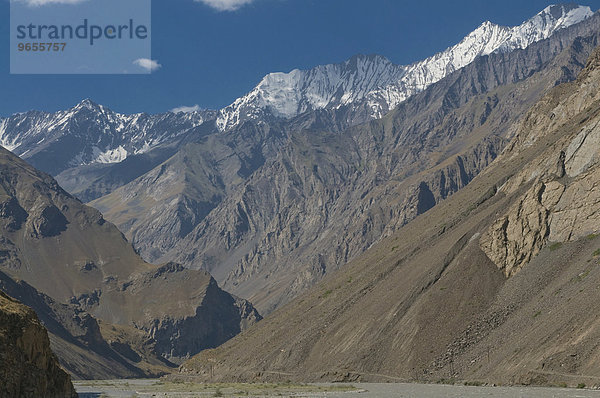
<point x="311" y="168"/>
<point x="364" y="87"/>
<point x="89" y="133"/>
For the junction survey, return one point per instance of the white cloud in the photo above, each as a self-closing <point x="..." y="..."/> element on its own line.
<point x="37" y="3"/>
<point x="225" y="5"/>
<point x="149" y="64"/>
<point x="186" y="109"/>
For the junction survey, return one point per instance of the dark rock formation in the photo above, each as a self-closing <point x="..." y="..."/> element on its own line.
<point x="28" y="368"/>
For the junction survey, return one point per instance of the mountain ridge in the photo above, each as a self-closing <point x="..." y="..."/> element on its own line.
<point x="329" y="86"/>
<point x="371" y="179"/>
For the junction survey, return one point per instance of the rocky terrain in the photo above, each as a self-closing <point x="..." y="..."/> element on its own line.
<point x="109" y="313"/>
<point x="493" y="284"/>
<point x="429" y="224"/>
<point x="28" y="367"/>
<point x="245" y="191"/>
<point x="75" y="336"/>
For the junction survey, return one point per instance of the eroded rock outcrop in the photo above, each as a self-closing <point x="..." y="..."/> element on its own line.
<point x="181" y="311"/>
<point x="515" y="238"/>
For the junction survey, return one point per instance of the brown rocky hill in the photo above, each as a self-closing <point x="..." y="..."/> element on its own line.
<point x="497" y="283"/>
<point x="113" y="314"/>
<point x="28" y="367"/>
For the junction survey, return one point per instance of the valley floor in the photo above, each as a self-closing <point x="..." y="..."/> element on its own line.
<point x="158" y="388"/>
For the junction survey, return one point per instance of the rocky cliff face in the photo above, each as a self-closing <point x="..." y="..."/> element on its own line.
<point x="562" y="203"/>
<point x="162" y="206"/>
<point x="28" y="367"/>
<point x="181" y="311"/>
<point x="498" y="283"/>
<point x="76" y="338"/>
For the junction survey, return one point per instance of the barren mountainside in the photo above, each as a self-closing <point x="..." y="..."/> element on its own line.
<point x="493" y="284"/>
<point x="110" y="316"/>
<point x="434" y="222"/>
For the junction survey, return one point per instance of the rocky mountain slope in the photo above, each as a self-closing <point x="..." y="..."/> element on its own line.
<point x="75" y="336"/>
<point x="161" y="207"/>
<point x="78" y="266"/>
<point x="28" y="367"/>
<point x="494" y="284"/>
<point x="272" y="238"/>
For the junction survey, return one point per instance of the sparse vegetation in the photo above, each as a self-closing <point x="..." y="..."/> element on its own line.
<point x="555" y="246"/>
<point x="562" y="384"/>
<point x="596" y="253"/>
<point x="581" y="385"/>
<point x="581" y="276"/>
<point x="473" y="383"/>
<point x="537" y="314"/>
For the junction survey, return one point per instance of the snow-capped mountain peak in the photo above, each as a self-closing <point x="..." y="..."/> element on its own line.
<point x="89" y="133"/>
<point x="544" y="24"/>
<point x="382" y="84"/>
<point x="289" y="94"/>
<point x="87" y="104"/>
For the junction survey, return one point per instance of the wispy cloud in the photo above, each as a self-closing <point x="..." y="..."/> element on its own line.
<point x="186" y="109"/>
<point x="148" y="64"/>
<point x="226" y="5"/>
<point x="37" y="3"/>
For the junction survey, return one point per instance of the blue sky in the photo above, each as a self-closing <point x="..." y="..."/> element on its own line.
<point x="209" y="56"/>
